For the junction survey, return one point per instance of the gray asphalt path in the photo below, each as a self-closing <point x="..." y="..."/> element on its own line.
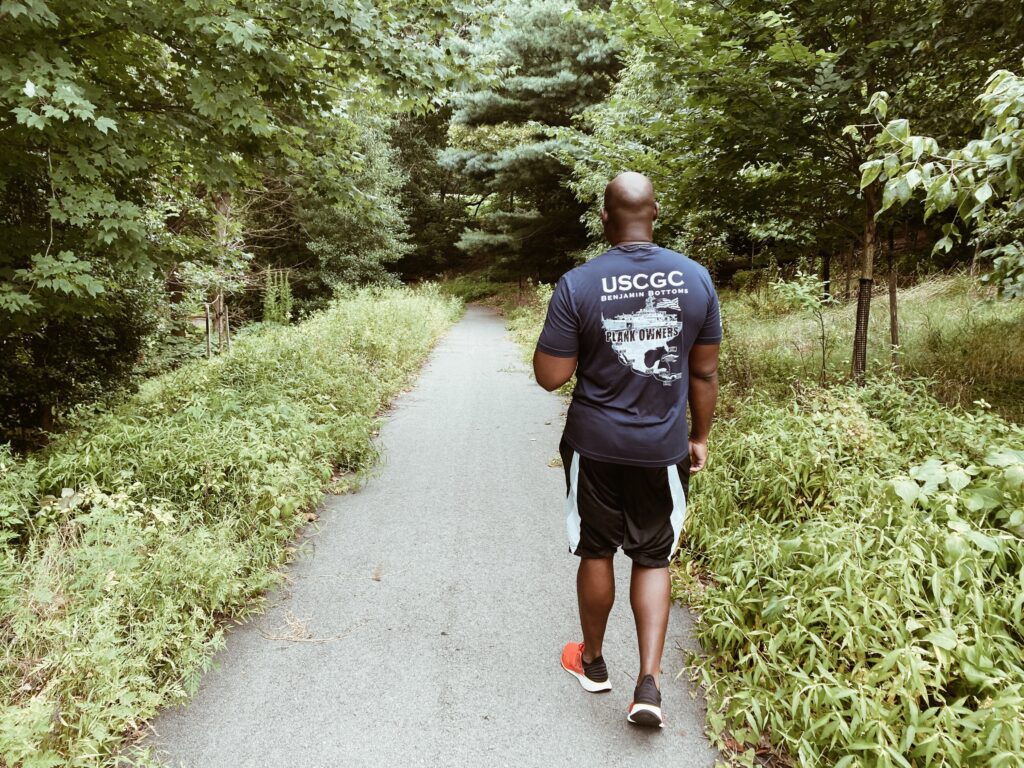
<point x="423" y="624"/>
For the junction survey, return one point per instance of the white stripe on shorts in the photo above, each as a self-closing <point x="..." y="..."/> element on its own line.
<point x="572" y="512"/>
<point x="675" y="485"/>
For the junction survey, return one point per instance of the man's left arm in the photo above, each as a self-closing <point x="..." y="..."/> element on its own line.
<point x="703" y="396"/>
<point x="703" y="364"/>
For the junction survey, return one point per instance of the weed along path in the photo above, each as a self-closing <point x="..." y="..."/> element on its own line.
<point x="422" y="623"/>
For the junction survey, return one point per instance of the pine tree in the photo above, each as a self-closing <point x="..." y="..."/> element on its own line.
<point x="544" y="65"/>
<point x="430" y="196"/>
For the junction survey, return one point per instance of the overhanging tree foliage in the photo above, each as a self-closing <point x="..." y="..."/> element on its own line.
<point x="129" y="132"/>
<point x="110" y="109"/>
<point x="980" y="182"/>
<point x="338" y="219"/>
<point x="739" y="109"/>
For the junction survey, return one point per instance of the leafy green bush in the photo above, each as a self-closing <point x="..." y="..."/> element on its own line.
<point x="865" y="556"/>
<point x="277" y="297"/>
<point x="17" y="492"/>
<point x="63" y="360"/>
<point x="132" y="537"/>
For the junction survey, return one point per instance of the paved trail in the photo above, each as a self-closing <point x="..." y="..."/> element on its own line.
<point x="447" y="591"/>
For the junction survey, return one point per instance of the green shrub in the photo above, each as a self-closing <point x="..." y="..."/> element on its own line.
<point x="48" y="367"/>
<point x="131" y="538"/>
<point x="277" y="297"/>
<point x="17" y="492"/>
<point x="865" y="597"/>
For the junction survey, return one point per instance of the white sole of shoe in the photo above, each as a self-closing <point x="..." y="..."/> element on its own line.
<point x="588" y="684"/>
<point x="647" y="715"/>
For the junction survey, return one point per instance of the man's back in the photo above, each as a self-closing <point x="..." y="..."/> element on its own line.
<point x="631" y="316"/>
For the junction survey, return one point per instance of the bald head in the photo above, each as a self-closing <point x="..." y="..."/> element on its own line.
<point x="629" y="208"/>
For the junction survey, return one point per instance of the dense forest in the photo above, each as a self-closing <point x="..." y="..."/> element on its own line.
<point x="302" y="192"/>
<point x="156" y="157"/>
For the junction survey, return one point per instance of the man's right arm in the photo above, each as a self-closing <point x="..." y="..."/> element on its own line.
<point x="703" y="363"/>
<point x="554" y="360"/>
<point x="552" y="371"/>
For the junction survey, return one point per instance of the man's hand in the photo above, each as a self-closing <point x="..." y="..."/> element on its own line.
<point x="698" y="455"/>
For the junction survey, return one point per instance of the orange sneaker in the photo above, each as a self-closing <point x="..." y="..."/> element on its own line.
<point x="593" y="676"/>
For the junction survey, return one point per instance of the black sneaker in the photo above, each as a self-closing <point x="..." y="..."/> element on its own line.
<point x="646" y="707"/>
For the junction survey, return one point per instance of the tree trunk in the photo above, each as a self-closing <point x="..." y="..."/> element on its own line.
<point x="46" y="418"/>
<point x="222" y="204"/>
<point x="867" y="266"/>
<point x="826" y="276"/>
<point x="209" y="331"/>
<point x="894" y="328"/>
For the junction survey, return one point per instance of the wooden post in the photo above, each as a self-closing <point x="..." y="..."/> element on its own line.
<point x="848" y="269"/>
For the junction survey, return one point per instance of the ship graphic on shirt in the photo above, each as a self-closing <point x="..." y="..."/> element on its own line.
<point x="637" y="337"/>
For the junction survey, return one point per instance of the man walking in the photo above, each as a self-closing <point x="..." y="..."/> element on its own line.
<point x="640" y="327"/>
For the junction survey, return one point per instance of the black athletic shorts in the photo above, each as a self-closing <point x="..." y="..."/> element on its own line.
<point x="640" y="509"/>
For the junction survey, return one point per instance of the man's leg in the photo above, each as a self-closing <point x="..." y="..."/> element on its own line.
<point x="649" y="596"/>
<point x="595" y="588"/>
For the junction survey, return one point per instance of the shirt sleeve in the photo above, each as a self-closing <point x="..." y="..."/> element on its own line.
<point x="560" y="336"/>
<point x="711" y="331"/>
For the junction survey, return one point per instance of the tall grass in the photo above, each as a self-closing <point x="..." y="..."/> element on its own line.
<point x="862" y="558"/>
<point x="856" y="555"/>
<point x="966" y="346"/>
<point x="524" y="315"/>
<point x="131" y="539"/>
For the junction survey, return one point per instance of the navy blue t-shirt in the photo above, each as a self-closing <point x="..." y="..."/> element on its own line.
<point x="630" y="316"/>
